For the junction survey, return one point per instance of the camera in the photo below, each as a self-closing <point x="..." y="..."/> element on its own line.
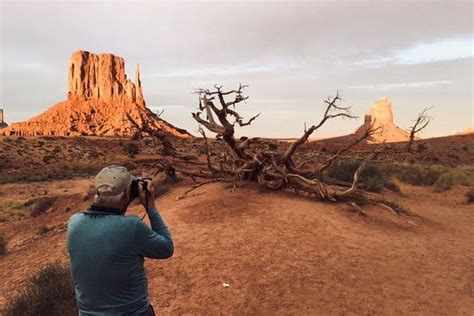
<point x="134" y="192"/>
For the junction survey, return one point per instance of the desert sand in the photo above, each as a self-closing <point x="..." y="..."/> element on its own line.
<point x="279" y="253"/>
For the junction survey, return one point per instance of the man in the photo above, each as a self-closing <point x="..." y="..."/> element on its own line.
<point x="107" y="249"/>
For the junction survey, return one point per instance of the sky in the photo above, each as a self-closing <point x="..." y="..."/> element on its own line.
<point x="292" y="54"/>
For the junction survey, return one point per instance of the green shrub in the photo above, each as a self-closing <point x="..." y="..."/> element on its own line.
<point x="392" y="186"/>
<point x="131" y="149"/>
<point x="398" y="208"/>
<point x="423" y="175"/>
<point x="40" y="205"/>
<point x="161" y="189"/>
<point x="444" y="182"/>
<point x="11" y="209"/>
<point x="420" y="175"/>
<point x="3" y="244"/>
<point x="470" y="195"/>
<point x="43" y="230"/>
<point x="49" y="292"/>
<point x="58" y="171"/>
<point x="372" y="176"/>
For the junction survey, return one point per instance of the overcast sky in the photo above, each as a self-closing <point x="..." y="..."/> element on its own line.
<point x="293" y="55"/>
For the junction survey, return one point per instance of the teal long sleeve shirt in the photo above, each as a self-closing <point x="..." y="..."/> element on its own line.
<point x="107" y="255"/>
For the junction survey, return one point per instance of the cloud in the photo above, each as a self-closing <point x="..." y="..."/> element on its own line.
<point x="440" y="50"/>
<point x="228" y="70"/>
<point x="402" y="85"/>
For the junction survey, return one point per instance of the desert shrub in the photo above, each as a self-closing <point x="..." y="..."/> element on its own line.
<point x="372" y="176"/>
<point x="444" y="182"/>
<point x="397" y="207"/>
<point x="47" y="138"/>
<point x="59" y="171"/>
<point x="470" y="195"/>
<point x="131" y="149"/>
<point x="461" y="176"/>
<point x="40" y="205"/>
<point x="3" y="244"/>
<point x="49" y="292"/>
<point x="415" y="174"/>
<point x="130" y="165"/>
<point x="43" y="230"/>
<point x="392" y="186"/>
<point x="161" y="189"/>
<point x="9" y="209"/>
<point x="427" y="175"/>
<point x="48" y="158"/>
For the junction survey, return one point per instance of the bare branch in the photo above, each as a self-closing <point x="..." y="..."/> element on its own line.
<point x="367" y="134"/>
<point x="420" y="123"/>
<point x="331" y="105"/>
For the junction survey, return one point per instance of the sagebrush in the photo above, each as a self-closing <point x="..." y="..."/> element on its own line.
<point x="49" y="292"/>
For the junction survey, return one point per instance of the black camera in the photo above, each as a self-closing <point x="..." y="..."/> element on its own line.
<point x="134" y="193"/>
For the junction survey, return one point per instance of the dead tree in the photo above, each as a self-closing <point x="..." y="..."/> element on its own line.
<point x="253" y="159"/>
<point x="419" y="124"/>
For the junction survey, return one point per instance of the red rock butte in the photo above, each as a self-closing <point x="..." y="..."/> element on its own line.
<point x="101" y="101"/>
<point x="380" y="115"/>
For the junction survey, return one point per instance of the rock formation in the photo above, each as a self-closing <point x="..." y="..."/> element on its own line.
<point x="100" y="101"/>
<point x="3" y="124"/>
<point x="466" y="132"/>
<point x="380" y="115"/>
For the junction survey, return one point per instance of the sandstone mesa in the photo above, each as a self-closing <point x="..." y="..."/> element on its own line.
<point x="3" y="124"/>
<point x="101" y="101"/>
<point x="380" y="115"/>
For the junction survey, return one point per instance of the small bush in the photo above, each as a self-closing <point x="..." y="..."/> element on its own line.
<point x="444" y="182"/>
<point x="58" y="171"/>
<point x="48" y="158"/>
<point x="50" y="292"/>
<point x="3" y="245"/>
<point x="372" y="176"/>
<point x="470" y="195"/>
<point x="396" y="206"/>
<point x="422" y="175"/>
<point x="43" y="230"/>
<point x="40" y="205"/>
<point x="131" y="149"/>
<point x="392" y="186"/>
<point x="161" y="189"/>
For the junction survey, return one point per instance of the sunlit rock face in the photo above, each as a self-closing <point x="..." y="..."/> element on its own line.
<point x="466" y="132"/>
<point x="380" y="115"/>
<point x="380" y="112"/>
<point x="3" y="124"/>
<point x="101" y="101"/>
<point x="102" y="77"/>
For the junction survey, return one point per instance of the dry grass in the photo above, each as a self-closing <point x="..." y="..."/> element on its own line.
<point x="470" y="195"/>
<point x="3" y="245"/>
<point x="50" y="292"/>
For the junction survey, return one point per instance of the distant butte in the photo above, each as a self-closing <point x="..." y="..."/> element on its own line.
<point x="3" y="124"/>
<point x="380" y="115"/>
<point x="101" y="101"/>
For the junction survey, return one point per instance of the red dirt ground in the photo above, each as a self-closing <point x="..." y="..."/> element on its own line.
<point x="280" y="254"/>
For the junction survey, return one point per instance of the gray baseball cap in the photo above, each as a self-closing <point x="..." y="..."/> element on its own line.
<point x="112" y="180"/>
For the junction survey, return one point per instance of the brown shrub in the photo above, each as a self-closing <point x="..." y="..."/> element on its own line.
<point x="49" y="292"/>
<point x="40" y="205"/>
<point x="3" y="245"/>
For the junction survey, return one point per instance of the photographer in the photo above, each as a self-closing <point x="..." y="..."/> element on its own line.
<point x="107" y="249"/>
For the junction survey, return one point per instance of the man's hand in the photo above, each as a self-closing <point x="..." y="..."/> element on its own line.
<point x="151" y="195"/>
